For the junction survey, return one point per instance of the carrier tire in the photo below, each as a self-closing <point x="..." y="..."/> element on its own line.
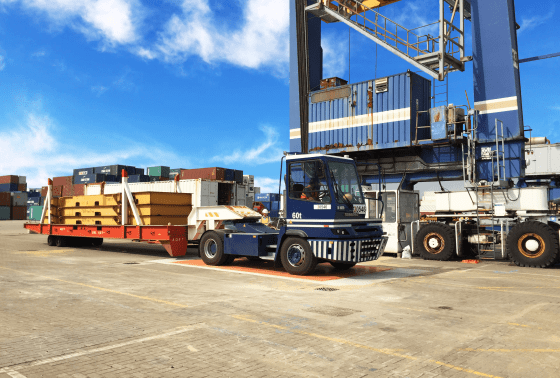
<point x="436" y="241"/>
<point x="211" y="249"/>
<point x="97" y="242"/>
<point x="341" y="265"/>
<point x="51" y="240"/>
<point x="61" y="241"/>
<point x="532" y="244"/>
<point x="297" y="257"/>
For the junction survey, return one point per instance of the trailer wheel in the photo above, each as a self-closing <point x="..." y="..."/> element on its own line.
<point x="297" y="256"/>
<point x="97" y="242"/>
<point x="51" y="241"/>
<point x="61" y="241"/>
<point x="211" y="249"/>
<point x="341" y="265"/>
<point x="532" y="244"/>
<point x="435" y="241"/>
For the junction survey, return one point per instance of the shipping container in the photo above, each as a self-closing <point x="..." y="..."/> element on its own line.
<point x="90" y="178"/>
<point x="138" y="178"/>
<point x="256" y="190"/>
<point x="57" y="191"/>
<point x="63" y="180"/>
<point x="174" y="172"/>
<point x="82" y="172"/>
<point x="36" y="201"/>
<point x="5" y="199"/>
<point x="5" y="213"/>
<point x="33" y="193"/>
<point x="155" y="178"/>
<point x="19" y="212"/>
<point x="11" y="179"/>
<point x="134" y="171"/>
<point x="248" y="180"/>
<point x="203" y="173"/>
<point x="229" y="175"/>
<point x="238" y="176"/>
<point x="79" y="189"/>
<point x="19" y="199"/>
<point x="35" y="213"/>
<point x="8" y="187"/>
<point x="22" y="180"/>
<point x="371" y="115"/>
<point x="67" y="190"/>
<point x="44" y="191"/>
<point x="267" y="197"/>
<point x="22" y="187"/>
<point x="159" y="171"/>
<point x="115" y="170"/>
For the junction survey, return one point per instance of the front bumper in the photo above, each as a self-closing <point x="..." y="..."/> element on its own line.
<point x="349" y="250"/>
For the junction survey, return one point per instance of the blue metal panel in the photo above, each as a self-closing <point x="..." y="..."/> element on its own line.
<point x="138" y="178"/>
<point x="88" y="179"/>
<point x="8" y="187"/>
<point x="248" y="244"/>
<point x="266" y="197"/>
<point x="229" y="175"/>
<point x="83" y="171"/>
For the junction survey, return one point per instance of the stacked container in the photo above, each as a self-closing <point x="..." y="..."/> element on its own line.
<point x="271" y="201"/>
<point x="159" y="171"/>
<point x="5" y="205"/>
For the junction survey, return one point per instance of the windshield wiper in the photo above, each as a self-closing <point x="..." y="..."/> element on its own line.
<point x="338" y="191"/>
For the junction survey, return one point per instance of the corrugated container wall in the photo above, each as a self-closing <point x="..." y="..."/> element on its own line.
<point x="371" y="115"/>
<point x="4" y="212"/>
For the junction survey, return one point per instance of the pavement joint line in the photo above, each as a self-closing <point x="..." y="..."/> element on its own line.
<point x="537" y="350"/>
<point x="98" y="288"/>
<point x="63" y="357"/>
<point x="362" y="346"/>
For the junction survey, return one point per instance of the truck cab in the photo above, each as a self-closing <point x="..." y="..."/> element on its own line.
<point x="324" y="222"/>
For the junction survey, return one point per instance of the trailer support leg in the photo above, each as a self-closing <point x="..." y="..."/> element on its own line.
<point x="175" y="247"/>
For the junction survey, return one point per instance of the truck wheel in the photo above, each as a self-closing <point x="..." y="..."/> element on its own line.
<point x="211" y="249"/>
<point x="297" y="257"/>
<point x="61" y="241"/>
<point x="97" y="242"/>
<point x="51" y="241"/>
<point x="341" y="265"/>
<point x="435" y="241"/>
<point x="532" y="244"/>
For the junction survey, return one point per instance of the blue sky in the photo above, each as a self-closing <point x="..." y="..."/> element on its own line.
<point x="194" y="83"/>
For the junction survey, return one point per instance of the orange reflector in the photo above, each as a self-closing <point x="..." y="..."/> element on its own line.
<point x="471" y="261"/>
<point x="326" y="225"/>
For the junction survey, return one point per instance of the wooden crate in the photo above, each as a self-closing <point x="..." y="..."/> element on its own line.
<point x="156" y="198"/>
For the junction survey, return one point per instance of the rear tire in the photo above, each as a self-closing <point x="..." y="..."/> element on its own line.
<point x="532" y="244"/>
<point x="435" y="241"/>
<point x="97" y="242"/>
<point x="51" y="240"/>
<point x="61" y="241"/>
<point x="341" y="265"/>
<point x="211" y="249"/>
<point x="297" y="256"/>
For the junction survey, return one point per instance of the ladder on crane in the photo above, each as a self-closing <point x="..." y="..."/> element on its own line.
<point x="435" y="55"/>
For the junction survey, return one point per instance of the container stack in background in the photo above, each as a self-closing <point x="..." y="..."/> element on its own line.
<point x="13" y="197"/>
<point x="271" y="202"/>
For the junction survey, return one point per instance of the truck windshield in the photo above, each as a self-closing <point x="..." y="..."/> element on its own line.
<point x="346" y="183"/>
<point x="308" y="181"/>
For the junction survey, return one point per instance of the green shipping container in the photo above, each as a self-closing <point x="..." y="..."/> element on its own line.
<point x="158" y="171"/>
<point x="35" y="212"/>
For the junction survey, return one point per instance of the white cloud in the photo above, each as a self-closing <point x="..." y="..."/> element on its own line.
<point x="268" y="185"/>
<point x="99" y="90"/>
<point x="39" y="53"/>
<point x="31" y="149"/>
<point x="261" y="40"/>
<point x="266" y="152"/>
<point x="2" y="63"/>
<point x="528" y="23"/>
<point x="111" y="21"/>
<point x="334" y="58"/>
<point x="555" y="107"/>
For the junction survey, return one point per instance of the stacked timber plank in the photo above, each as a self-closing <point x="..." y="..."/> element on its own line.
<point x="105" y="210"/>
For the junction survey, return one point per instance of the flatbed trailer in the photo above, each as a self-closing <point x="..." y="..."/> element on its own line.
<point x="173" y="238"/>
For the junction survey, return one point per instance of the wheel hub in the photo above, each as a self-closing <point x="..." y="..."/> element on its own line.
<point x="296" y="255"/>
<point x="531" y="245"/>
<point x="210" y="248"/>
<point x="434" y="243"/>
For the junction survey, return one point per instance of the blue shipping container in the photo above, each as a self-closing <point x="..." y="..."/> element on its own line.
<point x="371" y="115"/>
<point x="115" y="170"/>
<point x="34" y="201"/>
<point x="229" y="175"/>
<point x="134" y="171"/>
<point x="4" y="212"/>
<point x="138" y="178"/>
<point x="266" y="197"/>
<point x="239" y="176"/>
<point x="31" y="194"/>
<point x="89" y="179"/>
<point x="8" y="187"/>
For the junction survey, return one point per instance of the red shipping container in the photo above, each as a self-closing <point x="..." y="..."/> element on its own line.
<point x="9" y="179"/>
<point x="57" y="191"/>
<point x="63" y="180"/>
<point x="22" y="187"/>
<point x="67" y="190"/>
<point x="44" y="191"/>
<point x="79" y="189"/>
<point x="5" y="199"/>
<point x="203" y="173"/>
<point x="19" y="212"/>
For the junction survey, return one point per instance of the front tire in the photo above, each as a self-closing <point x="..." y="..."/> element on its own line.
<point x="211" y="249"/>
<point x="532" y="244"/>
<point x="97" y="242"/>
<point x="436" y="241"/>
<point x="51" y="240"/>
<point x="297" y="256"/>
<point x="341" y="265"/>
<point x="61" y="241"/>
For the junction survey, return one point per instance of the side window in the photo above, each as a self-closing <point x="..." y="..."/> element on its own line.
<point x="307" y="181"/>
<point x="389" y="207"/>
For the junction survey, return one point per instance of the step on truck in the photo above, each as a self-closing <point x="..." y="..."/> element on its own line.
<point x="324" y="222"/>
